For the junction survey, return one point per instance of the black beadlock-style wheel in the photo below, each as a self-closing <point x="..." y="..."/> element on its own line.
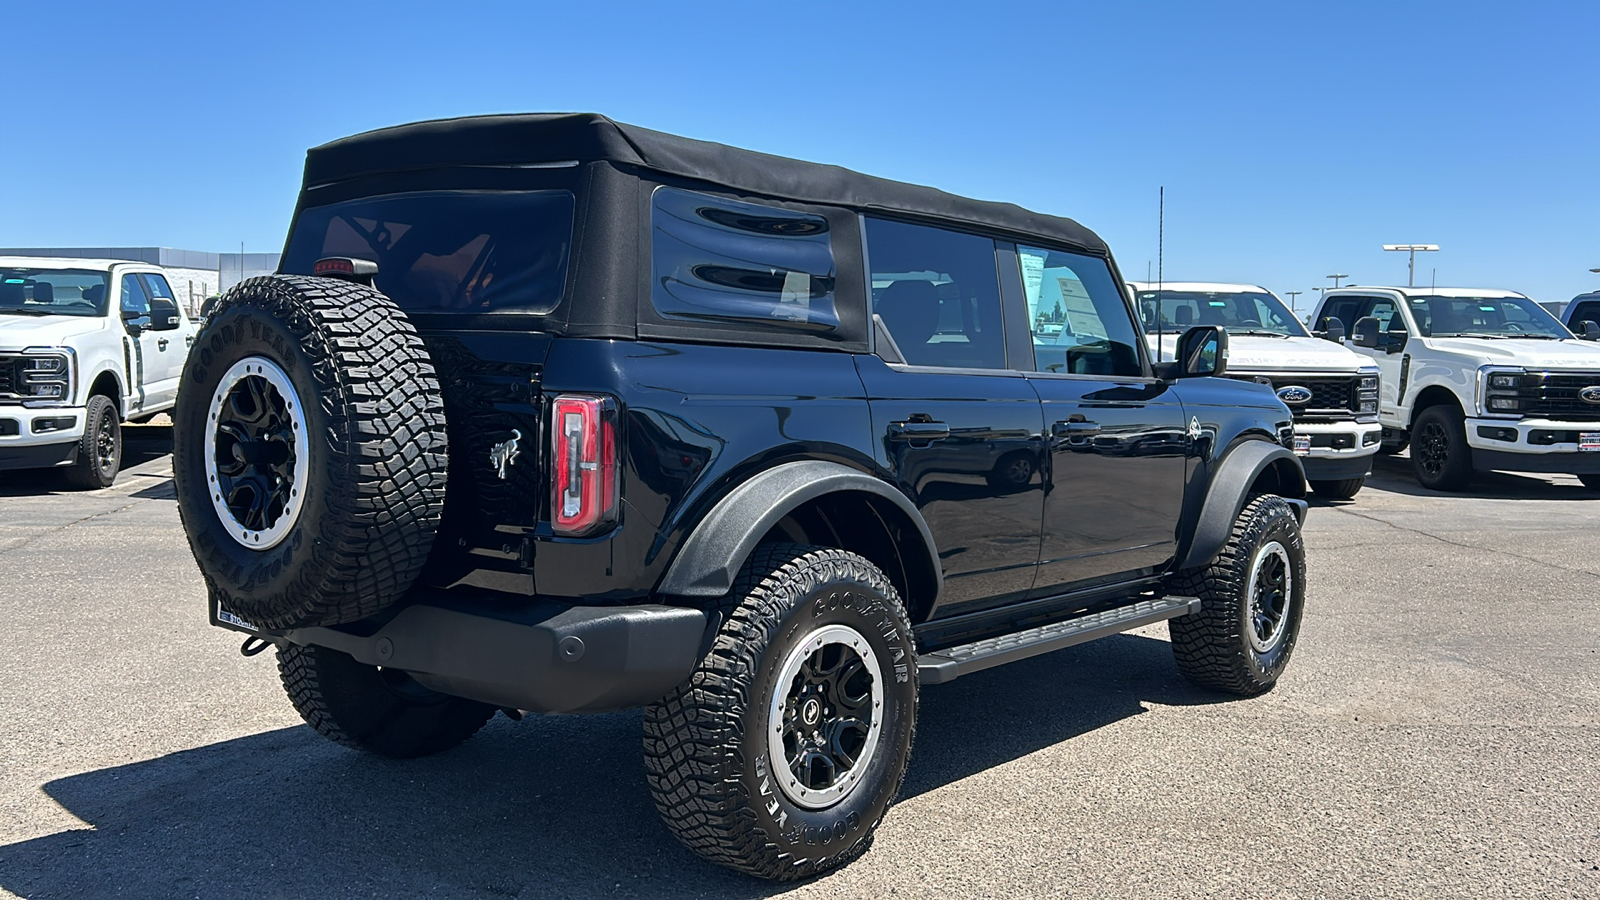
<point x="1440" y="457"/>
<point x="381" y="711"/>
<point x="100" y="448"/>
<point x="1251" y="599"/>
<point x="309" y="451"/>
<point x="783" y="751"/>
<point x="1339" y="489"/>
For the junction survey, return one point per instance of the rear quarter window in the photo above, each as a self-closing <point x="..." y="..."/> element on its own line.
<point x="718" y="260"/>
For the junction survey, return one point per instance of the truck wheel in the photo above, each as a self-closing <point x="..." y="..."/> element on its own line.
<point x="1440" y="457"/>
<point x="100" y="448"/>
<point x="784" y="749"/>
<point x="1342" y="489"/>
<point x="1251" y="598"/>
<point x="309" y="451"/>
<point x="382" y="711"/>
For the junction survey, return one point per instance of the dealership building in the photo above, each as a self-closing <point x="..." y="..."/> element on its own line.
<point x="193" y="274"/>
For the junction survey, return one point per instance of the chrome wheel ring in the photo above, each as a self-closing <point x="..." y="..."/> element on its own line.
<point x="1270" y="593"/>
<point x="825" y="716"/>
<point x="256" y="453"/>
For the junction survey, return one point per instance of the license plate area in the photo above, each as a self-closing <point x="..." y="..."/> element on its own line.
<point x="1302" y="445"/>
<point x="1589" y="441"/>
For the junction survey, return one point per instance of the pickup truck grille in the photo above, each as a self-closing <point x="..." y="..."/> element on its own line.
<point x="1554" y="395"/>
<point x="8" y="377"/>
<point x="1331" y="397"/>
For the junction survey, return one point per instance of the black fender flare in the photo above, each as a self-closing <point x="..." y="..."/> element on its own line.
<point x="1228" y="492"/>
<point x="711" y="556"/>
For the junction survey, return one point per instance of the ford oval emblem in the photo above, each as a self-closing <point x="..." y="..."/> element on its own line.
<point x="1294" y="394"/>
<point x="1590" y="394"/>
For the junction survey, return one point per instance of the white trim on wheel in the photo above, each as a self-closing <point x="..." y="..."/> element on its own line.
<point x="270" y="372"/>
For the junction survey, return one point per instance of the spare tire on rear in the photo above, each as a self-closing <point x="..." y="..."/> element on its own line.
<point x="309" y="451"/>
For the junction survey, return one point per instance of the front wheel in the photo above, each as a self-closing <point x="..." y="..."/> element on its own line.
<point x="784" y="749"/>
<point x="1440" y="457"/>
<point x="1251" y="599"/>
<point x="100" y="448"/>
<point x="1341" y="489"/>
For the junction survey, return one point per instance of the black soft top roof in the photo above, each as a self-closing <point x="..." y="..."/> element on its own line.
<point x="532" y="138"/>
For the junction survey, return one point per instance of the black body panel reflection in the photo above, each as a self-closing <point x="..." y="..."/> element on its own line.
<point x="968" y="448"/>
<point x="1118" y="456"/>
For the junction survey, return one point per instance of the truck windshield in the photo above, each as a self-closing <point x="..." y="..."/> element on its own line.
<point x="448" y="251"/>
<point x="53" y="292"/>
<point x="1492" y="317"/>
<point x="1241" y="312"/>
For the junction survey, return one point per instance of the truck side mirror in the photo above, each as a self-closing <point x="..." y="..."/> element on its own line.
<point x="1366" y="333"/>
<point x="1333" y="330"/>
<point x="132" y="321"/>
<point x="1203" y="351"/>
<point x="1589" y="331"/>
<point x="163" y="314"/>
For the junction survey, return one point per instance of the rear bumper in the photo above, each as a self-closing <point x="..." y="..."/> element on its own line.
<point x="540" y="656"/>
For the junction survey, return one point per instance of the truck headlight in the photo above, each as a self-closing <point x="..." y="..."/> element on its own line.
<point x="1367" y="394"/>
<point x="1500" y="392"/>
<point x="44" y="376"/>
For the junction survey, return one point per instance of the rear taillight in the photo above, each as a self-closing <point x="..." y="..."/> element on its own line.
<point x="583" y="454"/>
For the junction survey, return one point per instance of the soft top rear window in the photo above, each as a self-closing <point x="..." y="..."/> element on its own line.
<point x="448" y="251"/>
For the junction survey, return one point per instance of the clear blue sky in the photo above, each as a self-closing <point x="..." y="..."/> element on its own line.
<point x="1293" y="138"/>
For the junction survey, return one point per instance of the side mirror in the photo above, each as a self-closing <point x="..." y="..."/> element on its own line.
<point x="1202" y="351"/>
<point x="163" y="314"/>
<point x="1589" y="331"/>
<point x="132" y="320"/>
<point x="1334" y="331"/>
<point x="1366" y="333"/>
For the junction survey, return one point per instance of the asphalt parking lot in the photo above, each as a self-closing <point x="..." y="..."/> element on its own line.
<point x="1437" y="735"/>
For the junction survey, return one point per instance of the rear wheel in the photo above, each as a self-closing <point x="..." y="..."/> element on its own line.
<point x="382" y="711"/>
<point x="1341" y="489"/>
<point x="1440" y="457"/>
<point x="784" y="749"/>
<point x="100" y="448"/>
<point x="1251" y="599"/>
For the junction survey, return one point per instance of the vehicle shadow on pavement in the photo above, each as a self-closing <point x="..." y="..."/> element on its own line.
<point x="553" y="806"/>
<point x="1393" y="474"/>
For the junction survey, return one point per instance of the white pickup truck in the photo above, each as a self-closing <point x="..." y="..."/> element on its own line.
<point x="1331" y="392"/>
<point x="1475" y="379"/>
<point x="85" y="344"/>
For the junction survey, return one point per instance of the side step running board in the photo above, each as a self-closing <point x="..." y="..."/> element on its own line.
<point x="953" y="662"/>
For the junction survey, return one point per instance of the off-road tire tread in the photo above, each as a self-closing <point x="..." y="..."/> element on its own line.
<point x="1208" y="645"/>
<point x="694" y="743"/>
<point x="1340" y="489"/>
<point x="303" y="674"/>
<point x="385" y="441"/>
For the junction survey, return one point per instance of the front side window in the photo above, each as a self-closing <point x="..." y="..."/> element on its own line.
<point x="53" y="292"/>
<point x="937" y="295"/>
<point x="135" y="302"/>
<point x="1488" y="317"/>
<point x="1080" y="321"/>
<point x="1241" y="312"/>
<point x="720" y="260"/>
<point x="448" y="251"/>
<point x="157" y="285"/>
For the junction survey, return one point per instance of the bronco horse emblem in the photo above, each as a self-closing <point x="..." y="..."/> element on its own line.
<point x="504" y="454"/>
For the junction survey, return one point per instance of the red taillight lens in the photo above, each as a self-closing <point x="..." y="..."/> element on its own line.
<point x="584" y="457"/>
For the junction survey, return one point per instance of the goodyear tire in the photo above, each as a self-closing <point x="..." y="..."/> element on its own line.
<point x="1251" y="600"/>
<point x="784" y="749"/>
<point x="309" y="452"/>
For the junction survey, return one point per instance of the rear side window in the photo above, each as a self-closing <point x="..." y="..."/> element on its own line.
<point x="937" y="294"/>
<point x="448" y="251"/>
<point x="717" y="259"/>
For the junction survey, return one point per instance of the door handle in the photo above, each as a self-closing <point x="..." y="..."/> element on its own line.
<point x="161" y="344"/>
<point x="1071" y="430"/>
<point x="918" y="432"/>
<point x="188" y="340"/>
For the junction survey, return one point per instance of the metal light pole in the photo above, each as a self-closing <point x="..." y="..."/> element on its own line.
<point x="1413" y="249"/>
<point x="1336" y="278"/>
<point x="1292" y="307"/>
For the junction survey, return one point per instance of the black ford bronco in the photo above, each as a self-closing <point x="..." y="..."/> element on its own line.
<point x="548" y="413"/>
